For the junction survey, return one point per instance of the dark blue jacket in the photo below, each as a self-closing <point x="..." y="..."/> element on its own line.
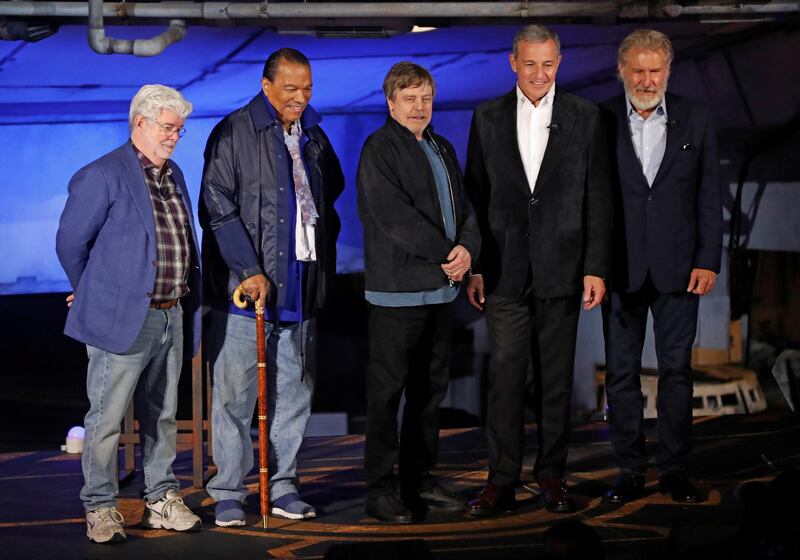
<point x="106" y="243"/>
<point x="246" y="217"/>
<point x="676" y="225"/>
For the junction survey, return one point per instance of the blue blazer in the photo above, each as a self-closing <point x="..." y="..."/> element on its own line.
<point x="675" y="225"/>
<point x="106" y="243"/>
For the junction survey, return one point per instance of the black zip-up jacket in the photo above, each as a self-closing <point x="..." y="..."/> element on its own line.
<point x="404" y="237"/>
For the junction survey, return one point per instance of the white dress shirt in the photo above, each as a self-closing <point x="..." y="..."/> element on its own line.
<point x="649" y="138"/>
<point x="533" y="132"/>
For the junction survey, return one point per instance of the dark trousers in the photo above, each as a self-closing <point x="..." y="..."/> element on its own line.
<point x="409" y="348"/>
<point x="543" y="332"/>
<point x="674" y="326"/>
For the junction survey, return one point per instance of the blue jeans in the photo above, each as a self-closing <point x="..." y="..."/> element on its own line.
<point x="148" y="372"/>
<point x="231" y="339"/>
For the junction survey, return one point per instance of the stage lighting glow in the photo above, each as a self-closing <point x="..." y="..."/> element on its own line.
<point x="75" y="437"/>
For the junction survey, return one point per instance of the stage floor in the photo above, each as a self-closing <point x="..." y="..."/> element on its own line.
<point x="41" y="515"/>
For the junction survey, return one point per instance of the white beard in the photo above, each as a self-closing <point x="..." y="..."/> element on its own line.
<point x="648" y="103"/>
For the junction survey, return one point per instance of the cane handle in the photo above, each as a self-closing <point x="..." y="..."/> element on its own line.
<point x="239" y="300"/>
<point x="242" y="301"/>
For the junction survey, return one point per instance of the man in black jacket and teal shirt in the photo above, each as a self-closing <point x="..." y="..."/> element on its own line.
<point x="420" y="238"/>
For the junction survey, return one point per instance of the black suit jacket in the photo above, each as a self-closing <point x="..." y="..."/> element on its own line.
<point x="560" y="232"/>
<point x="676" y="225"/>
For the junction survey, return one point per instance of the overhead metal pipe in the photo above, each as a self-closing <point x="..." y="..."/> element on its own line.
<point x="138" y="47"/>
<point x="456" y="10"/>
<point x="739" y="9"/>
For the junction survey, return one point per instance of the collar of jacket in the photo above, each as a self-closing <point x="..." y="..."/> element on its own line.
<point x="263" y="118"/>
<point x="403" y="131"/>
<point x="511" y="97"/>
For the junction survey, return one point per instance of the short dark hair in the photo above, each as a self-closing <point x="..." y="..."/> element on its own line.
<point x="286" y="54"/>
<point x="404" y="75"/>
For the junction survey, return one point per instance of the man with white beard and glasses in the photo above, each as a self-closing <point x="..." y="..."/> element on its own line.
<point x="668" y="245"/>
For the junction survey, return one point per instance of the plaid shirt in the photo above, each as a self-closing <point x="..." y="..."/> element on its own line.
<point x="172" y="231"/>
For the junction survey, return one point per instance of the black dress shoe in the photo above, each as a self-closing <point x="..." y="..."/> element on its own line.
<point x="388" y="509"/>
<point x="492" y="500"/>
<point x="679" y="487"/>
<point x="628" y="487"/>
<point x="439" y="498"/>
<point x="555" y="495"/>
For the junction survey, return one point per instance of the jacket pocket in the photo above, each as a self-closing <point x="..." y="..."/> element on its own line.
<point x="97" y="306"/>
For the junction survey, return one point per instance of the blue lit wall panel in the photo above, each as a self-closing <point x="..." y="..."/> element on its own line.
<point x="62" y="105"/>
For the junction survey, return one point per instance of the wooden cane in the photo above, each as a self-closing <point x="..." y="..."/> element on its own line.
<point x="263" y="422"/>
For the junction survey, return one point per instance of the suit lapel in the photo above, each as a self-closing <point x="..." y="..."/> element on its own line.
<point x="134" y="180"/>
<point x="556" y="140"/>
<point x="508" y="142"/>
<point x="625" y="150"/>
<point x="677" y="116"/>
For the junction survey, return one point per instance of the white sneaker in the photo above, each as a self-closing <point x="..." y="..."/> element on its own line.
<point x="104" y="525"/>
<point x="170" y="513"/>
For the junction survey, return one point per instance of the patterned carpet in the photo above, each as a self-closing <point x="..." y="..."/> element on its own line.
<point x="41" y="515"/>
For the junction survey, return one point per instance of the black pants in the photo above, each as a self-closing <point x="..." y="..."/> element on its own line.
<point x="409" y="348"/>
<point x="674" y="326"/>
<point x="541" y="331"/>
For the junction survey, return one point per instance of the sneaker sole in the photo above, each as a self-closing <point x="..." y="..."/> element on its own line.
<point x="157" y="525"/>
<point x="278" y="512"/>
<point x="115" y="538"/>
<point x="231" y="523"/>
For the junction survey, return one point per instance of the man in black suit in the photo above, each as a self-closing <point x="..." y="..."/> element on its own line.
<point x="668" y="235"/>
<point x="538" y="178"/>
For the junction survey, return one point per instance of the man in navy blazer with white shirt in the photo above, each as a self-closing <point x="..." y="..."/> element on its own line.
<point x="127" y="244"/>
<point x="668" y="246"/>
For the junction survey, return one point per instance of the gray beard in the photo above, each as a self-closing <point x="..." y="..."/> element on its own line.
<point x="642" y="104"/>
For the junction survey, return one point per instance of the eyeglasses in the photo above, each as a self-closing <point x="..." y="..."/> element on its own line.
<point x="168" y="130"/>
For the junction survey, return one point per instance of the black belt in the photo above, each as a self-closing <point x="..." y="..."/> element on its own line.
<point x="169" y="304"/>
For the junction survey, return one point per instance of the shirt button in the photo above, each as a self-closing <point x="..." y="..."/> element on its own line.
<point x="649" y="197"/>
<point x="280" y="253"/>
<point x="280" y="285"/>
<point x="280" y="189"/>
<point x="281" y="220"/>
<point x="534" y="201"/>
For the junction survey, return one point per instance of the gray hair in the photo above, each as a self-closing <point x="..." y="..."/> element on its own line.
<point x="646" y="39"/>
<point x="151" y="99"/>
<point x="536" y="34"/>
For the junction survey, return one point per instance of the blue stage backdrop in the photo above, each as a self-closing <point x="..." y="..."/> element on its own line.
<point x="61" y="106"/>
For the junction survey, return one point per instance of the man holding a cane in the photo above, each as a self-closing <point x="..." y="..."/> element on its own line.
<point x="271" y="178"/>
